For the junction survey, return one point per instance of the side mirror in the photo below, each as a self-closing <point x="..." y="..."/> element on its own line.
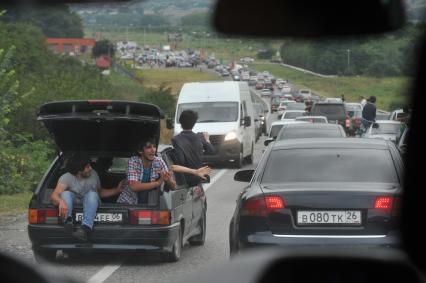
<point x="375" y="126"/>
<point x="266" y="111"/>
<point x="246" y="121"/>
<point x="244" y="175"/>
<point x="256" y="120"/>
<point x="280" y="116"/>
<point x="169" y="124"/>
<point x="268" y="141"/>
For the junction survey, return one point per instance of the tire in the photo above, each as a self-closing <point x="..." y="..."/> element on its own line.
<point x="238" y="163"/>
<point x="200" y="239"/>
<point x="176" y="252"/>
<point x="249" y="158"/>
<point x="44" y="255"/>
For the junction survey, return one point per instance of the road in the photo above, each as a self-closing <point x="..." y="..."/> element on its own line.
<point x="137" y="267"/>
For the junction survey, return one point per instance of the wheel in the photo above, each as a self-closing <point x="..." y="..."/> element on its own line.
<point x="176" y="252"/>
<point x="249" y="158"/>
<point x="199" y="239"/>
<point x="44" y="255"/>
<point x="238" y="163"/>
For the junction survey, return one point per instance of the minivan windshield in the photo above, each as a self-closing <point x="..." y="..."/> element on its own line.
<point x="210" y="112"/>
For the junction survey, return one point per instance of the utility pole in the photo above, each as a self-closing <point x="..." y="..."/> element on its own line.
<point x="349" y="59"/>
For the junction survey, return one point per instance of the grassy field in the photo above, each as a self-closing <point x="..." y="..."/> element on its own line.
<point x="226" y="49"/>
<point x="14" y="204"/>
<point x="173" y="77"/>
<point x="389" y="91"/>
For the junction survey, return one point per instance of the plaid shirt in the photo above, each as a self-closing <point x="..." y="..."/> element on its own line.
<point x="135" y="173"/>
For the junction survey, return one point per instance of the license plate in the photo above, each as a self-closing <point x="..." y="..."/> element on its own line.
<point x="102" y="217"/>
<point x="352" y="217"/>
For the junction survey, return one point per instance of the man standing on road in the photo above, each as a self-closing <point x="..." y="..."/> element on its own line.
<point x="369" y="112"/>
<point x="81" y="185"/>
<point x="190" y="147"/>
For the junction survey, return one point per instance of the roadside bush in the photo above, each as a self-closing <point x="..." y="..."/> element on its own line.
<point x="23" y="165"/>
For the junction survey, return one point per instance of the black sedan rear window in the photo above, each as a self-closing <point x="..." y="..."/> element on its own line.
<point x="302" y="133"/>
<point x="330" y="165"/>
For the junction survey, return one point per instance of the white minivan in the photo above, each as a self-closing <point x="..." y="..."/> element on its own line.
<point x="225" y="110"/>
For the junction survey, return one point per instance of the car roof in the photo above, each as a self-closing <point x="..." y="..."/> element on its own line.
<point x="387" y="122"/>
<point x="314" y="126"/>
<point x="355" y="143"/>
<point x="283" y="122"/>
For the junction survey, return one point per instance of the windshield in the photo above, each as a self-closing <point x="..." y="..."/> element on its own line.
<point x="328" y="109"/>
<point x="210" y="112"/>
<point x="144" y="52"/>
<point x="330" y="165"/>
<point x="386" y="129"/>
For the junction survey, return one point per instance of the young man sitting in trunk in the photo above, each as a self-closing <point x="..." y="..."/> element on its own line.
<point x="80" y="185"/>
<point x="146" y="172"/>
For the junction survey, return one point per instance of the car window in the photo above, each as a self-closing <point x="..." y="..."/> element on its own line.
<point x="323" y="109"/>
<point x="294" y="133"/>
<point x="292" y="115"/>
<point x="275" y="129"/>
<point x="209" y="112"/>
<point x="330" y="165"/>
<point x="383" y="129"/>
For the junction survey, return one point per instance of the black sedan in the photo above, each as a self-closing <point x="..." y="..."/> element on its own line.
<point x="320" y="192"/>
<point x="111" y="130"/>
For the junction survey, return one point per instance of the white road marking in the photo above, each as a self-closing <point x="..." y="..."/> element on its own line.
<point x="105" y="272"/>
<point x="214" y="179"/>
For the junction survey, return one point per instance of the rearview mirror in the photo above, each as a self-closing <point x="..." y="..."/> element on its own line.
<point x="268" y="141"/>
<point x="246" y="122"/>
<point x="169" y="124"/>
<point x="244" y="175"/>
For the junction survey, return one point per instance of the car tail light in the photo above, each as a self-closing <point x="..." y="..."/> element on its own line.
<point x="384" y="203"/>
<point x="101" y="102"/>
<point x="262" y="206"/>
<point x="43" y="216"/>
<point x="150" y="217"/>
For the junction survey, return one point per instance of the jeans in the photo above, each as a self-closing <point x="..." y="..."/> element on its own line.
<point x="90" y="201"/>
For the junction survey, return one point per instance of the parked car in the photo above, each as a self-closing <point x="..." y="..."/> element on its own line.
<point x="160" y="225"/>
<point x="384" y="129"/>
<point x="310" y="192"/>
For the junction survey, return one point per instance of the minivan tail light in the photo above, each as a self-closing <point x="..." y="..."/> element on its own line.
<point x="43" y="216"/>
<point x="262" y="206"/>
<point x="150" y="217"/>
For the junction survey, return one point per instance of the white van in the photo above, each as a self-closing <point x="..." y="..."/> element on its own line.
<point x="225" y="110"/>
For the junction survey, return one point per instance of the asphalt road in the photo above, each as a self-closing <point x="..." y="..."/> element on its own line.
<point x="142" y="267"/>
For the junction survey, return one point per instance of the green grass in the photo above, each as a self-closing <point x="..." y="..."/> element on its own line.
<point x="13" y="204"/>
<point x="389" y="91"/>
<point x="173" y="77"/>
<point x="225" y="49"/>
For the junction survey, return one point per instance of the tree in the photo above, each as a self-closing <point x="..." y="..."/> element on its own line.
<point x="54" y="21"/>
<point x="103" y="47"/>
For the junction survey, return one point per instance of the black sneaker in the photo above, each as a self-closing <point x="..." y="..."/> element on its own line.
<point x="82" y="233"/>
<point x="69" y="225"/>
